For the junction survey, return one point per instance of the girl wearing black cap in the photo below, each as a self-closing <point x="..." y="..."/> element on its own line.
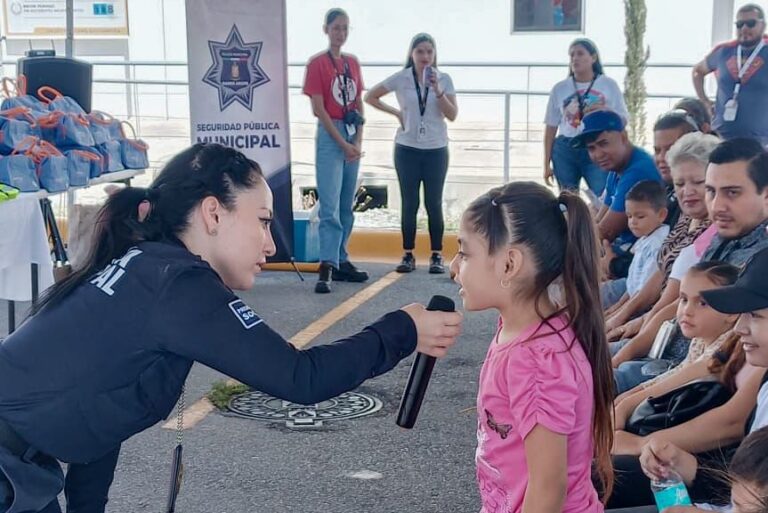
<point x="749" y="298"/>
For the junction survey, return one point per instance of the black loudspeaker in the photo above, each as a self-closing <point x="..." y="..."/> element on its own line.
<point x="71" y="77"/>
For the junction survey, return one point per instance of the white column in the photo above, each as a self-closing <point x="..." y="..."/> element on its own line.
<point x="722" y="21"/>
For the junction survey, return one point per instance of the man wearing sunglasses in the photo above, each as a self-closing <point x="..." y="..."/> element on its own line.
<point x="742" y="79"/>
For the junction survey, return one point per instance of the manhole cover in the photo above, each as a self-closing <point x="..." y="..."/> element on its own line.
<point x="260" y="406"/>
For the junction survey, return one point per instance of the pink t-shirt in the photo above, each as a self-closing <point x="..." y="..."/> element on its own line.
<point x="525" y="382"/>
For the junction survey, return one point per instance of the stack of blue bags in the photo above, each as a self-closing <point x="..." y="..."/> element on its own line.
<point x="54" y="144"/>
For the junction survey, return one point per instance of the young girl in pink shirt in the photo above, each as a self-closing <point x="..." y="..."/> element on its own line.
<point x="545" y="394"/>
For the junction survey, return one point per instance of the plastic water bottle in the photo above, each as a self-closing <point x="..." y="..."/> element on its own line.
<point x="670" y="491"/>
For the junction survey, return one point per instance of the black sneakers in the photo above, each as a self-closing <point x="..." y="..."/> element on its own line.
<point x="323" y="285"/>
<point x="407" y="264"/>
<point x="348" y="272"/>
<point x="436" y="265"/>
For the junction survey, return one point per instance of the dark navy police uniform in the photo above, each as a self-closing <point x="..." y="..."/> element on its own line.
<point x="110" y="360"/>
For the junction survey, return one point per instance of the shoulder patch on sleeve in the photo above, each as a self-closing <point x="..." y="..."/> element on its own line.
<point x="244" y="314"/>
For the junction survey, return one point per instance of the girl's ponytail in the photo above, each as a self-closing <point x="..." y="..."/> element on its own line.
<point x="582" y="297"/>
<point x="561" y="236"/>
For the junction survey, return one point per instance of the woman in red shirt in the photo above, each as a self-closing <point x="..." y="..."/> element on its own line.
<point x="334" y="83"/>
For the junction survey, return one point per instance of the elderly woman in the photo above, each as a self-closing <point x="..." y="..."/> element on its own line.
<point x="688" y="161"/>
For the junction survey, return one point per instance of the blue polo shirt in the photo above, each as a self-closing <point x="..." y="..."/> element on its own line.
<point x="641" y="167"/>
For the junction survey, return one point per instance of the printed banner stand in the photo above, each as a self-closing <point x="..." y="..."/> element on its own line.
<point x="238" y="92"/>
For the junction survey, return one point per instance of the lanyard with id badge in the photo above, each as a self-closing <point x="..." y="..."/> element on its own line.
<point x="421" y="134"/>
<point x="731" y="107"/>
<point x="582" y="98"/>
<point x="350" y="121"/>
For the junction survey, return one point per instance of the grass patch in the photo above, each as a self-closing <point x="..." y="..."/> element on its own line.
<point x="223" y="391"/>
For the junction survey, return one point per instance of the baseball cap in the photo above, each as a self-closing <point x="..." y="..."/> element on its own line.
<point x="749" y="293"/>
<point x="595" y="123"/>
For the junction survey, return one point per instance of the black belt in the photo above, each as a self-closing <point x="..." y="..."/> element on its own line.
<point x="10" y="440"/>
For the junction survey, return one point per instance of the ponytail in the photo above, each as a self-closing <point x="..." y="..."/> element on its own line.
<point x="160" y="212"/>
<point x="582" y="297"/>
<point x="560" y="234"/>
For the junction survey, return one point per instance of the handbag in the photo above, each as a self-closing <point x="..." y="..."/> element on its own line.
<point x="677" y="407"/>
<point x="52" y="167"/>
<point x="16" y="124"/>
<point x="134" y="151"/>
<point x="64" y="130"/>
<point x="104" y="127"/>
<point x="19" y="97"/>
<point x="111" y="154"/>
<point x="57" y="102"/>
<point x="82" y="166"/>
<point x="19" y="169"/>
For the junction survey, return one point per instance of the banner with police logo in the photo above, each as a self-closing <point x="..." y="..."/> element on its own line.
<point x="238" y="91"/>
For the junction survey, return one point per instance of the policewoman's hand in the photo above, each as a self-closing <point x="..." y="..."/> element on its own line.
<point x="437" y="331"/>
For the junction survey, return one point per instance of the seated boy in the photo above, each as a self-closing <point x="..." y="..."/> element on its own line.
<point x="646" y="207"/>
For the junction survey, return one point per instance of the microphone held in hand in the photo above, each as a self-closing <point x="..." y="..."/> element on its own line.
<point x="421" y="371"/>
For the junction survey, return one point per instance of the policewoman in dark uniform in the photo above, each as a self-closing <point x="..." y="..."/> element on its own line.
<point x="107" y="352"/>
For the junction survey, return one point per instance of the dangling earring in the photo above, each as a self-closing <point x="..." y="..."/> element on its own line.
<point x="505" y="284"/>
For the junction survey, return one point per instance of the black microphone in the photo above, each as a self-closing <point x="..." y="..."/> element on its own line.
<point x="421" y="371"/>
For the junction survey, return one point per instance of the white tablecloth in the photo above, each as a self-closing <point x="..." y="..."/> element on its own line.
<point x="23" y="241"/>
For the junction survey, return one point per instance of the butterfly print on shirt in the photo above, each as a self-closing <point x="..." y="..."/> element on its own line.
<point x="502" y="429"/>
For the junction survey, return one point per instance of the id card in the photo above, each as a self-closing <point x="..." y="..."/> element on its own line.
<point x="421" y="134"/>
<point x="351" y="130"/>
<point x="731" y="110"/>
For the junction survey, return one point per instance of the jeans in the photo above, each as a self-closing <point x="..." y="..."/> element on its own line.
<point x="336" y="188"/>
<point x="630" y="374"/>
<point x="611" y="291"/>
<point x="615" y="347"/>
<point x="414" y="167"/>
<point x="570" y="165"/>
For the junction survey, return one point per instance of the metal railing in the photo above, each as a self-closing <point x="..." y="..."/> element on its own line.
<point x="133" y="82"/>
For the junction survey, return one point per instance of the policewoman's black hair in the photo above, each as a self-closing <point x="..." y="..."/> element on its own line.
<point x="422" y="37"/>
<point x="203" y="170"/>
<point x="563" y="245"/>
<point x="591" y="48"/>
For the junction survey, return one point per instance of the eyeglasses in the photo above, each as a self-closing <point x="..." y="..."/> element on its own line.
<point x="749" y="23"/>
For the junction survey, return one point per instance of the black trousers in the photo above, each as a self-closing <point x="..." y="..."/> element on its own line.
<point x="414" y="167"/>
<point x="86" y="486"/>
